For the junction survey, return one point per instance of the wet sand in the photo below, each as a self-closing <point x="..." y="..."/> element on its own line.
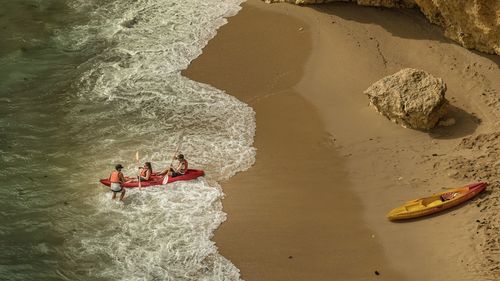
<point x="328" y="167"/>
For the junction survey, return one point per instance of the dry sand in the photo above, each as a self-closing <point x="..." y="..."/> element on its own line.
<point x="329" y="168"/>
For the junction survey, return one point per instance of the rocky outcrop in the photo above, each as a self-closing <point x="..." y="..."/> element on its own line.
<point x="412" y="98"/>
<point x="475" y="24"/>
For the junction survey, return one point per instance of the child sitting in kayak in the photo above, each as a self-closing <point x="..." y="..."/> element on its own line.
<point x="146" y="172"/>
<point x="181" y="169"/>
<point x="117" y="179"/>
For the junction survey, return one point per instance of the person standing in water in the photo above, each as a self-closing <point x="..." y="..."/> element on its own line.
<point x="117" y="179"/>
<point x="181" y="169"/>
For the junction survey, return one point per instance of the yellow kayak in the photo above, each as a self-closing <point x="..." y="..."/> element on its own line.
<point x="436" y="202"/>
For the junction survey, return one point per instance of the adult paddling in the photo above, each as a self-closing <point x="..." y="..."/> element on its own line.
<point x="180" y="170"/>
<point x="168" y="175"/>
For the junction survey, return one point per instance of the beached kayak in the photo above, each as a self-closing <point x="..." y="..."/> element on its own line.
<point x="436" y="202"/>
<point x="157" y="180"/>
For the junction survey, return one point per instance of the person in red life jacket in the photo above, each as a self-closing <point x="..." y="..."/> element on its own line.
<point x="117" y="179"/>
<point x="146" y="172"/>
<point x="181" y="169"/>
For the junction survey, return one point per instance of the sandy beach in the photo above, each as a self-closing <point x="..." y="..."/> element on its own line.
<point x="329" y="167"/>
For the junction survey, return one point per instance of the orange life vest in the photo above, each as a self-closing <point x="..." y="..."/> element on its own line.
<point x="115" y="177"/>
<point x="144" y="172"/>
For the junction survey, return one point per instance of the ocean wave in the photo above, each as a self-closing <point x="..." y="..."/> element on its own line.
<point x="131" y="97"/>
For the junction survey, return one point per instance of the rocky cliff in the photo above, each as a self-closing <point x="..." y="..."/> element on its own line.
<point x="475" y="24"/>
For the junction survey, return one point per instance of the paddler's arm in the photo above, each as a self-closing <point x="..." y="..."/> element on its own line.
<point x="122" y="178"/>
<point x="148" y="175"/>
<point x="163" y="172"/>
<point x="179" y="166"/>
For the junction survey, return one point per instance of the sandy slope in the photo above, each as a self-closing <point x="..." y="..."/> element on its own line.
<point x="329" y="167"/>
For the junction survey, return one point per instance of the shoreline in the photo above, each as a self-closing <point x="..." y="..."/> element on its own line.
<point x="287" y="223"/>
<point x="284" y="225"/>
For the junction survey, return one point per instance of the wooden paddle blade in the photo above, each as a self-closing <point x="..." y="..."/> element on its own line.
<point x="165" y="180"/>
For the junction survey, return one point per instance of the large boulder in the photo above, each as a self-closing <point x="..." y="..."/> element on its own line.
<point x="412" y="98"/>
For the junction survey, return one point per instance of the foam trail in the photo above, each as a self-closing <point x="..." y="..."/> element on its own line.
<point x="131" y="97"/>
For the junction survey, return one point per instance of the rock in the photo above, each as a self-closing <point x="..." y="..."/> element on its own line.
<point x="412" y="98"/>
<point x="473" y="24"/>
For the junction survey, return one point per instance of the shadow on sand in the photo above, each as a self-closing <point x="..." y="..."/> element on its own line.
<point x="465" y="125"/>
<point x="400" y="22"/>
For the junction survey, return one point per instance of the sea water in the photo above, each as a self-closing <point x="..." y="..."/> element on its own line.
<point x="87" y="84"/>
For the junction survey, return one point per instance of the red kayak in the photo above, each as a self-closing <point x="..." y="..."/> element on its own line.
<point x="158" y="180"/>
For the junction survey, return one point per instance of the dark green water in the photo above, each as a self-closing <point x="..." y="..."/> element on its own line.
<point x="36" y="75"/>
<point x="81" y="91"/>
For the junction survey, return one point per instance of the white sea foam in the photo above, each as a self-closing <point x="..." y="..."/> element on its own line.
<point x="160" y="234"/>
<point x="131" y="97"/>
